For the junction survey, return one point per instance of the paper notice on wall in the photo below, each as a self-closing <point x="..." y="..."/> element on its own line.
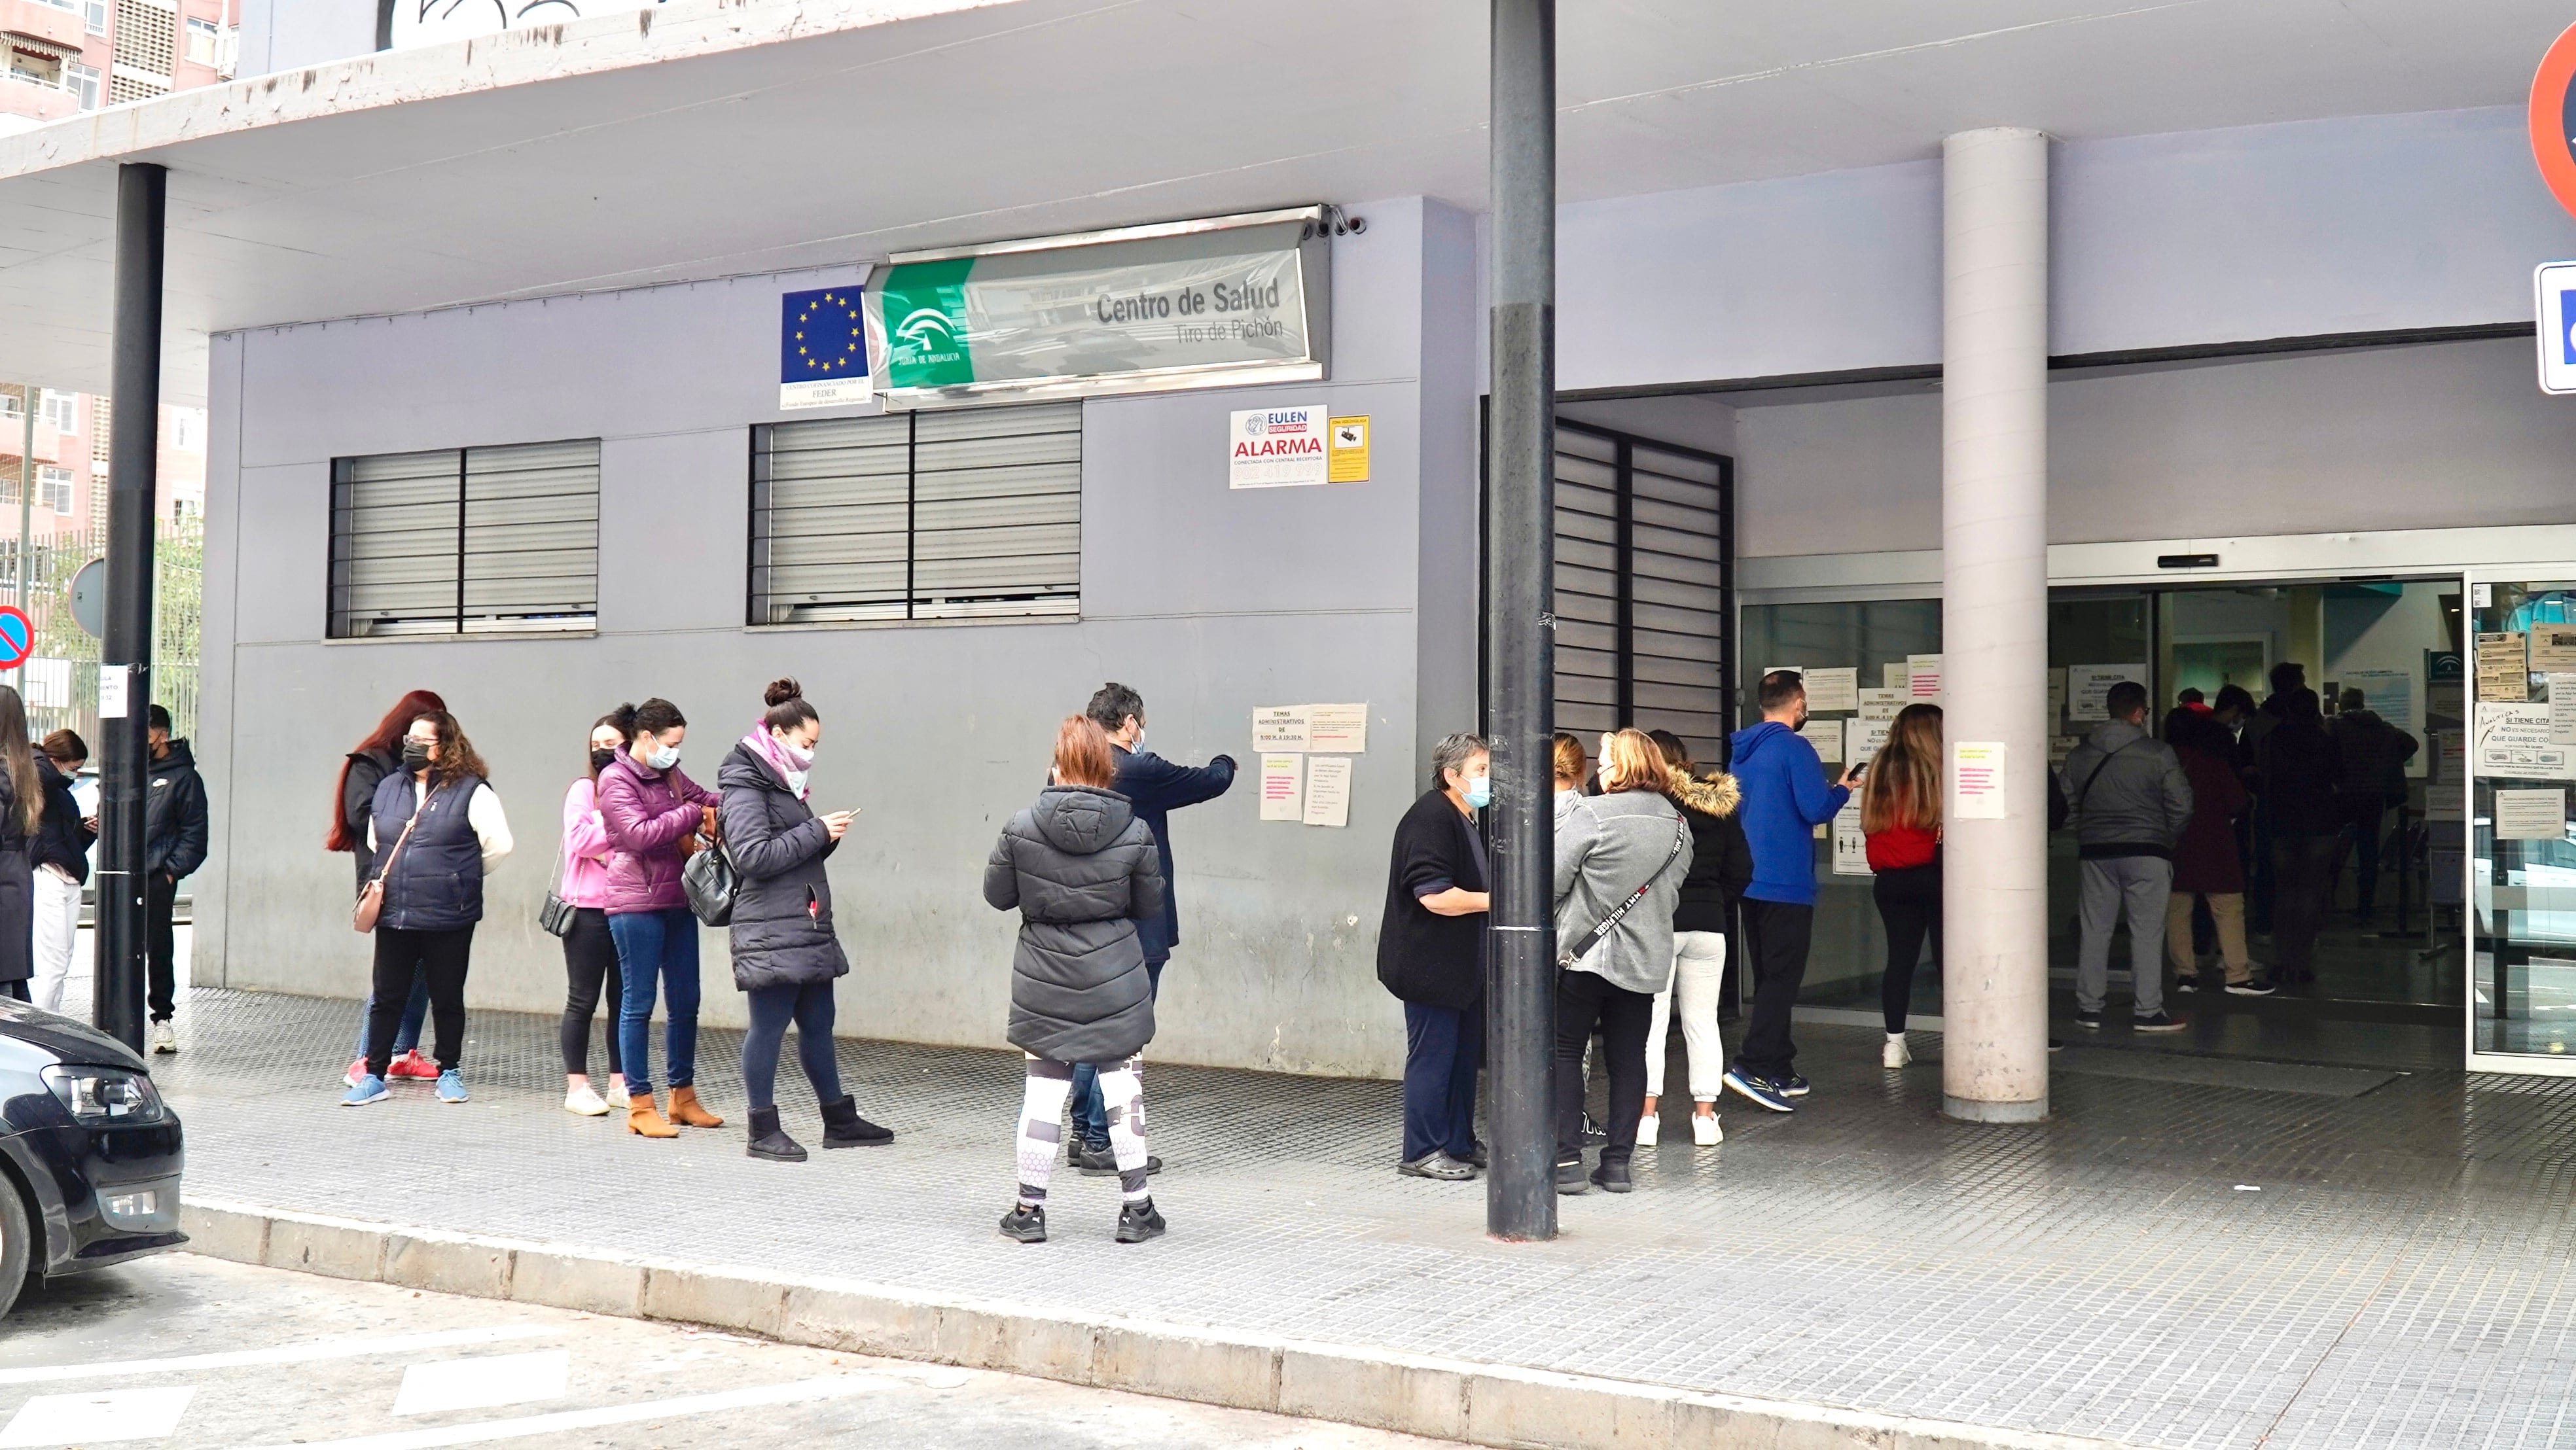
<point x="1851" y="847"/>
<point x="2562" y="709"/>
<point x="1276" y="448"/>
<point x="2056" y="695"/>
<point x="111" y="691"/>
<point x="1977" y="780"/>
<point x="1826" y="736"/>
<point x="2531" y="815"/>
<point x="2445" y="784"/>
<point x="1341" y="728"/>
<point x="1897" y="675"/>
<point x="1349" y="455"/>
<point x="1283" y="787"/>
<point x="1279" y="727"/>
<point x="2504" y="670"/>
<point x="1923" y="677"/>
<point x="1328" y="791"/>
<point x="2390" y="694"/>
<point x="1833" y="689"/>
<point x="2513" y="741"/>
<point x="2088" y="688"/>
<point x="2553" y="649"/>
<point x="1863" y="739"/>
<point x="1881" y="704"/>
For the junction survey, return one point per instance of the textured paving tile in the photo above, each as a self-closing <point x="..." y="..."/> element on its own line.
<point x="2400" y="1278"/>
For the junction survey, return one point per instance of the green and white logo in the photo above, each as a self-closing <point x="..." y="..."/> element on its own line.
<point x="924" y="312"/>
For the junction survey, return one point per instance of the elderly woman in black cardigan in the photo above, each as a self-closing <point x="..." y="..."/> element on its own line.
<point x="1430" y="954"/>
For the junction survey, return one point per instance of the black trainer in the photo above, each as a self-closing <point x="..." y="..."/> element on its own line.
<point x="2089" y="1021"/>
<point x="2157" y="1022"/>
<point x="1138" y="1222"/>
<point x="1025" y="1222"/>
<point x="1613" y="1177"/>
<point x="2252" y="987"/>
<point x="1570" y="1179"/>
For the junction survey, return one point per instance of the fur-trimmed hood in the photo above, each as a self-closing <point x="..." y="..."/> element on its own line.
<point x="1715" y="794"/>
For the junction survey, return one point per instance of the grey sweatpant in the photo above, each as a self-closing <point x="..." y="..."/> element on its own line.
<point x="2138" y="885"/>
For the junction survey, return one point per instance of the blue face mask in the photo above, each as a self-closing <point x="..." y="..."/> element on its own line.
<point x="1480" y="792"/>
<point x="663" y="757"/>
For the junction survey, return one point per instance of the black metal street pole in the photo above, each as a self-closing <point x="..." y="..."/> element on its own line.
<point x="125" y="653"/>
<point x="1520" y="563"/>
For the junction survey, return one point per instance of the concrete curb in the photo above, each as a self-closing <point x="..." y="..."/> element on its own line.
<point x="1481" y="1404"/>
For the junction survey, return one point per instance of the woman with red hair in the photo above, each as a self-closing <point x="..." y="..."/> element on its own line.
<point x="352" y="810"/>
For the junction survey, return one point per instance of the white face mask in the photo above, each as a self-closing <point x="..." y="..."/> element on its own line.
<point x="796" y="781"/>
<point x="797" y="753"/>
<point x="663" y="757"/>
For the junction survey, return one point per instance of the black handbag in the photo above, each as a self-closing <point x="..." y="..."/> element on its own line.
<point x="709" y="881"/>
<point x="557" y="914"/>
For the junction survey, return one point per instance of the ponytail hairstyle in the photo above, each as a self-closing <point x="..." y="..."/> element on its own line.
<point x="18" y="758"/>
<point x="1565" y="759"/>
<point x="650" y="718"/>
<point x="1082" y="754"/>
<point x="1903" y="787"/>
<point x="385" y="739"/>
<point x="787" y="707"/>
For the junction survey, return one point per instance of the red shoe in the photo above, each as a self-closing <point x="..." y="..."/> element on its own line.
<point x="357" y="1070"/>
<point x="412" y="1064"/>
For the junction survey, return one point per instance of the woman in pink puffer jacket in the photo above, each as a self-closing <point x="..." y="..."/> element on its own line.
<point x="651" y="811"/>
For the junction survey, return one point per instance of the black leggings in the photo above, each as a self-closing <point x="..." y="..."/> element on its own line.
<point x="809" y="1006"/>
<point x="442" y="956"/>
<point x="1909" y="904"/>
<point x="590" y="959"/>
<point x="1583" y="999"/>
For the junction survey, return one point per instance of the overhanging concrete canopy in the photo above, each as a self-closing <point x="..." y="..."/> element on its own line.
<point x="715" y="137"/>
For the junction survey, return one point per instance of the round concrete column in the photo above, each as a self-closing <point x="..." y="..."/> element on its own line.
<point x="1994" y="619"/>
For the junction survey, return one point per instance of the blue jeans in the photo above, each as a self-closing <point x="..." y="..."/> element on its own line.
<point x="1443" y="1047"/>
<point x="407" y="1035"/>
<point x="657" y="945"/>
<point x="1090" y="1119"/>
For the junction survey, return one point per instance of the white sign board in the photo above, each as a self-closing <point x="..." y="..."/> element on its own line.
<point x="2513" y="741"/>
<point x="2553" y="285"/>
<point x="1831" y="690"/>
<point x="1977" y="780"/>
<point x="1283" y="787"/>
<point x="1328" y="790"/>
<point x="2389" y="694"/>
<point x="2088" y="688"/>
<point x="1277" y="448"/>
<point x="1851" y="847"/>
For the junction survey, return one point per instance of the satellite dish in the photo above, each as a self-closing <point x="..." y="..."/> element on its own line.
<point x="89" y="598"/>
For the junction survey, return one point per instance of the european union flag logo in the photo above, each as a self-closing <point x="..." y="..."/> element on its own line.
<point x="821" y="337"/>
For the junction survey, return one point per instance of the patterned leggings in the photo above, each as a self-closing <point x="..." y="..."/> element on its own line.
<point x="1050" y="1084"/>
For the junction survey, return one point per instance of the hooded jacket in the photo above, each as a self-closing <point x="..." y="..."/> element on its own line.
<point x="174" y="814"/>
<point x="1721" y="863"/>
<point x="782" y="905"/>
<point x="1610" y="845"/>
<point x="647" y="812"/>
<point x="2128" y="793"/>
<point x="61" y="839"/>
<point x="1786" y="797"/>
<point x="1080" y="868"/>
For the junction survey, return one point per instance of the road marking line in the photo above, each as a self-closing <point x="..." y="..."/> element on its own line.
<point x="88" y="1419"/>
<point x="786" y="1394"/>
<point x="284" y="1354"/>
<point x="482" y="1382"/>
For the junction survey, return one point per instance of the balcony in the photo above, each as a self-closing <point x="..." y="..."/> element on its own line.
<point x="57" y="25"/>
<point x="29" y="101"/>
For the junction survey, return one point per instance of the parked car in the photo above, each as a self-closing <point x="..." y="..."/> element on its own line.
<point x="89" y="1153"/>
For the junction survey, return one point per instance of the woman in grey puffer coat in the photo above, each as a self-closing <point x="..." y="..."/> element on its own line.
<point x="1080" y="869"/>
<point x="785" y="955"/>
<point x="1607" y="846"/>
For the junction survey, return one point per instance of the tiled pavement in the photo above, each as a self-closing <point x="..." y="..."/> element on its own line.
<point x="2392" y="1271"/>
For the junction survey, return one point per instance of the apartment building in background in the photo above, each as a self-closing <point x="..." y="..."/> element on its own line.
<point x="69" y="477"/>
<point x="69" y="56"/>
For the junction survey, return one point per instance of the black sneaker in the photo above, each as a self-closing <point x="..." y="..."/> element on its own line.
<point x="2089" y="1021"/>
<point x="1794" y="1086"/>
<point x="1102" y="1162"/>
<point x="2252" y="987"/>
<point x="1760" y="1089"/>
<point x="1027" y="1223"/>
<point x="2156" y="1022"/>
<point x="2057" y="1044"/>
<point x="1570" y="1179"/>
<point x="1138" y="1222"/>
<point x="1613" y="1178"/>
<point x="2186" y="984"/>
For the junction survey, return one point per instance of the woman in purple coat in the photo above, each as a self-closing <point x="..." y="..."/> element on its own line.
<point x="651" y="813"/>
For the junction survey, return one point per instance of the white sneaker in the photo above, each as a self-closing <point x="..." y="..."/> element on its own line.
<point x="617" y="1097"/>
<point x="1647" y="1129"/>
<point x="1894" y="1055"/>
<point x="1704" y="1130"/>
<point x="163" y="1038"/>
<point x="585" y="1102"/>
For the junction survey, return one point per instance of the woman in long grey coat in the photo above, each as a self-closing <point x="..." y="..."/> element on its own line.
<point x="785" y="954"/>
<point x="1080" y="869"/>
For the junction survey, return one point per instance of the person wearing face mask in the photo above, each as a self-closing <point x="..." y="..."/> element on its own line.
<point x="785" y="953"/>
<point x="590" y="954"/>
<point x="1431" y="956"/>
<point x="353" y="805"/>
<point x="437" y="830"/>
<point x="649" y="809"/>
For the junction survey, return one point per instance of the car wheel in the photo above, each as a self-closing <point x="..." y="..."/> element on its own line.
<point x="15" y="1244"/>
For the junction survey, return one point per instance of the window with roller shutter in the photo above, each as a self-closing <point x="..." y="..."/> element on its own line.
<point x="466" y="541"/>
<point x="968" y="514"/>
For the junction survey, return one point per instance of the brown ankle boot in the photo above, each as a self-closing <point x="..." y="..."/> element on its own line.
<point x="645" y="1120"/>
<point x="688" y="1112"/>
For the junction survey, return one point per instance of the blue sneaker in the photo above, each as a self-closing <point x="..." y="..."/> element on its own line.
<point x="369" y="1088"/>
<point x="451" y="1086"/>
<point x="1794" y="1086"/>
<point x="1760" y="1089"/>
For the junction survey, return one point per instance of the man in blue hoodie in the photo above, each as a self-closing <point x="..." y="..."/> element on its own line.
<point x="1785" y="798"/>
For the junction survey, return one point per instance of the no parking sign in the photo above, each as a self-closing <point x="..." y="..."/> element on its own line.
<point x="17" y="636"/>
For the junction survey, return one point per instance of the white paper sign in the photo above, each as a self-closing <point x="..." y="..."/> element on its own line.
<point x="1977" y="780"/>
<point x="1923" y="677"/>
<point x="1279" y="727"/>
<point x="1833" y="689"/>
<point x="1897" y="675"/>
<point x="1328" y="791"/>
<point x="1283" y="787"/>
<point x="1826" y="736"/>
<point x="1851" y="847"/>
<point x="2388" y="693"/>
<point x="1881" y="704"/>
<point x="111" y="691"/>
<point x="1277" y="448"/>
<point x="1864" y="738"/>
<point x="2088" y="688"/>
<point x="1337" y="727"/>
<point x="2513" y="740"/>
<point x="2562" y="709"/>
<point x="2531" y="815"/>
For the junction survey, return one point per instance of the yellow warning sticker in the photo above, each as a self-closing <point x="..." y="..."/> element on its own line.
<point x="1347" y="450"/>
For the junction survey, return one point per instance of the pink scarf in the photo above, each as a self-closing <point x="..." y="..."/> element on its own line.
<point x="766" y="746"/>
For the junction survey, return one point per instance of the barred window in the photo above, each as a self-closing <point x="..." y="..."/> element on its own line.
<point x="466" y="541"/>
<point x="968" y="514"/>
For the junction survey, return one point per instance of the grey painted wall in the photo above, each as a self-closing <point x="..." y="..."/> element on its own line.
<point x="1211" y="602"/>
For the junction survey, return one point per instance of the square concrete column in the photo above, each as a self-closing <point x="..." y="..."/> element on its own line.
<point x="1994" y="620"/>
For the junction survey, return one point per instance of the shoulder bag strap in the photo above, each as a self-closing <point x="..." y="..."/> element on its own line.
<point x="2098" y="768"/>
<point x="1681" y="838"/>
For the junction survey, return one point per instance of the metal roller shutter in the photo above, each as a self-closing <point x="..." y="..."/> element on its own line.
<point x="466" y="541"/>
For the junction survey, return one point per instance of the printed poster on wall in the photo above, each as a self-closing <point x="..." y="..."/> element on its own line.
<point x="1279" y="728"/>
<point x="1851" y="847"/>
<point x="1827" y="737"/>
<point x="2390" y="694"/>
<point x="2504" y="670"/>
<point x="2531" y="815"/>
<point x="2513" y="741"/>
<point x="1277" y="448"/>
<point x="1923" y="678"/>
<point x="1864" y="738"/>
<point x="1342" y="728"/>
<point x="823" y="349"/>
<point x="1897" y="675"/>
<point x="2088" y="688"/>
<point x="1977" y="780"/>
<point x="1328" y="791"/>
<point x="1830" y="690"/>
<point x="1349" y="458"/>
<point x="1881" y="704"/>
<point x="2553" y="649"/>
<point x="1283" y="787"/>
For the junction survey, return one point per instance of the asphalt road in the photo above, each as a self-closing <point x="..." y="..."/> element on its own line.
<point x="186" y="1351"/>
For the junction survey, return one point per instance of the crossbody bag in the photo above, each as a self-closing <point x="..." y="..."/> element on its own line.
<point x="1681" y="838"/>
<point x="371" y="901"/>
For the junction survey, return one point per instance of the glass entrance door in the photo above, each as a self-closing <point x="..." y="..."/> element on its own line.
<point x="2522" y="864"/>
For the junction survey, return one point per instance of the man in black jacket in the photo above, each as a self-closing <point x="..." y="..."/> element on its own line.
<point x="174" y="846"/>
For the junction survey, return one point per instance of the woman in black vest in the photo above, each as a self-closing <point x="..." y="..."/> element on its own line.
<point x="1431" y="955"/>
<point x="436" y="829"/>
